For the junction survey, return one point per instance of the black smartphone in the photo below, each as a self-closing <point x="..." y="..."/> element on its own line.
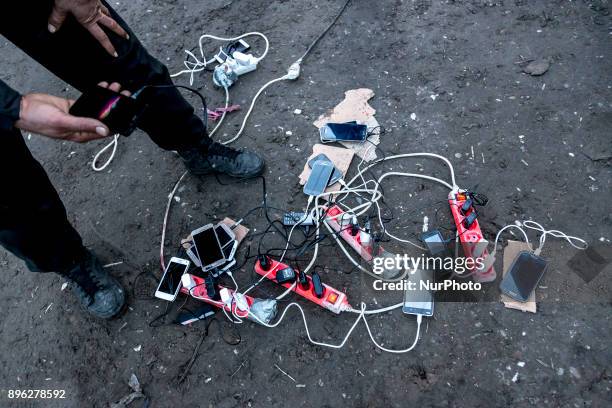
<point x="343" y="132"/>
<point x="524" y="275"/>
<point x="336" y="175"/>
<point x="230" y="48"/>
<point x="117" y="111"/>
<point x="208" y="248"/>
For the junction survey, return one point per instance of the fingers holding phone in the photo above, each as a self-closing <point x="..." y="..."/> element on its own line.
<point x="111" y="105"/>
<point x="50" y="116"/>
<point x="115" y="87"/>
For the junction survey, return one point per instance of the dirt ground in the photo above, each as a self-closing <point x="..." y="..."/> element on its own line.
<point x="539" y="147"/>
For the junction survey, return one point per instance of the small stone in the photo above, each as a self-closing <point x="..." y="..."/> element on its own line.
<point x="537" y="67"/>
<point x="575" y="373"/>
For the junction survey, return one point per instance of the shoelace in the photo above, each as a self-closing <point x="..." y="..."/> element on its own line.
<point x="85" y="279"/>
<point x="217" y="149"/>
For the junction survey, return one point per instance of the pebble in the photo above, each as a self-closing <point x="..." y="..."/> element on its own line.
<point x="537" y="67"/>
<point x="575" y="373"/>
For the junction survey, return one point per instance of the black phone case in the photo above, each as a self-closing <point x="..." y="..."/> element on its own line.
<point x="122" y="118"/>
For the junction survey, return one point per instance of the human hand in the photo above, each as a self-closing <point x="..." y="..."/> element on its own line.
<point x="92" y="15"/>
<point x="48" y="115"/>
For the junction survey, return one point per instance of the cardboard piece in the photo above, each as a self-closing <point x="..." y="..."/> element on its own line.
<point x="510" y="253"/>
<point x="341" y="158"/>
<point x="355" y="107"/>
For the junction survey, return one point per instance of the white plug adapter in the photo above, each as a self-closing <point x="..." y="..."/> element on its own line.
<point x="294" y="71"/>
<point x="242" y="63"/>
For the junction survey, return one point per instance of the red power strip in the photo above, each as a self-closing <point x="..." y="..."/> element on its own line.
<point x="332" y="299"/>
<point x="353" y="240"/>
<point x="199" y="292"/>
<point x="473" y="243"/>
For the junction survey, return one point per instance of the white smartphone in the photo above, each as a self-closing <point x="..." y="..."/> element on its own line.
<point x="227" y="240"/>
<point x="193" y="256"/>
<point x="170" y="283"/>
<point x="207" y="247"/>
<point x="418" y="300"/>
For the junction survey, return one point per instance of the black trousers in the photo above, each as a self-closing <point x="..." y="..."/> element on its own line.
<point x="33" y="223"/>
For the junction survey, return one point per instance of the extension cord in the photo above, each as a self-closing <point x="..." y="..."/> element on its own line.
<point x="355" y="241"/>
<point x="331" y="299"/>
<point x="196" y="288"/>
<point x="473" y="242"/>
<point x="226" y="74"/>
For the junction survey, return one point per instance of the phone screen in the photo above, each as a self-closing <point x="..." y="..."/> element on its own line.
<point x="225" y="240"/>
<point x="347" y="132"/>
<point x="435" y="243"/>
<point x="522" y="279"/>
<point x="336" y="175"/>
<point x="172" y="278"/>
<point x="115" y="110"/>
<point x="417" y="299"/>
<point x="207" y="247"/>
<point x="319" y="178"/>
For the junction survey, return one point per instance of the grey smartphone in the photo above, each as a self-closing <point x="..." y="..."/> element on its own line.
<point x="523" y="276"/>
<point x="319" y="177"/>
<point x="418" y="300"/>
<point x="336" y="175"/>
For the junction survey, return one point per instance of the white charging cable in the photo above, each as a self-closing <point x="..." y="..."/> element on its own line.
<point x="113" y="143"/>
<point x="576" y="242"/>
<point x="198" y="65"/>
<point x="362" y="313"/>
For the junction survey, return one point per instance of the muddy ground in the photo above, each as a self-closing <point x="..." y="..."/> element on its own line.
<point x="541" y="150"/>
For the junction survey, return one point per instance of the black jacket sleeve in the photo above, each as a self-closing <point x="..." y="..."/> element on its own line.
<point x="10" y="102"/>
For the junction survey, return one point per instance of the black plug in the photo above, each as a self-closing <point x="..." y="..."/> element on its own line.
<point x="303" y="280"/>
<point x="265" y="262"/>
<point x="466" y="206"/>
<point x="285" y="275"/>
<point x="470" y="219"/>
<point x="317" y="285"/>
<point x="212" y="288"/>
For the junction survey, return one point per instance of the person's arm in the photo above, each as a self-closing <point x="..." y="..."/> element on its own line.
<point x="10" y="101"/>
<point x="48" y="115"/>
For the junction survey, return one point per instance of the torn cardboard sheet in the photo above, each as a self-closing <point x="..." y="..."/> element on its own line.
<point x="240" y="231"/>
<point x="510" y="253"/>
<point x="339" y="156"/>
<point x="355" y="107"/>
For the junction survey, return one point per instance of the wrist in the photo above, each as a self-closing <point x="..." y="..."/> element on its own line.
<point x="23" y="103"/>
<point x="10" y="109"/>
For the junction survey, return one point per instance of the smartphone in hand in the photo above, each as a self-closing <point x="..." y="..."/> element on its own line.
<point x="115" y="110"/>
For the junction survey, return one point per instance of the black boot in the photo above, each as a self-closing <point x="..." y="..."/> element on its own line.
<point x="97" y="291"/>
<point x="222" y="159"/>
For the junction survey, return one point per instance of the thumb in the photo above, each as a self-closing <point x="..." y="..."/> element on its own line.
<point x="84" y="125"/>
<point x="56" y="19"/>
